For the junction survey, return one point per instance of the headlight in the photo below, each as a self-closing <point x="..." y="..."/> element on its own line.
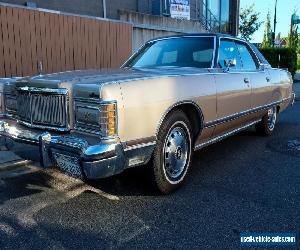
<point x="97" y="118"/>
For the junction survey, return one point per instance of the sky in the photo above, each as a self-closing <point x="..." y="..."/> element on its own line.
<point x="285" y="8"/>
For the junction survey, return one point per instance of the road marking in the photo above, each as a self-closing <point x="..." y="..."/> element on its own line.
<point x="8" y="230"/>
<point x="13" y="165"/>
<point x="133" y="227"/>
<point x="294" y="145"/>
<point x="70" y="186"/>
<point x="78" y="186"/>
<point x="18" y="171"/>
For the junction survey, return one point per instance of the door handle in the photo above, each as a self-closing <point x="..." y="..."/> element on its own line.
<point x="246" y="80"/>
<point x="268" y="79"/>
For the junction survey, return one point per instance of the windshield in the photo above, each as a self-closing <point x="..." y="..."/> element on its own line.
<point x="194" y="52"/>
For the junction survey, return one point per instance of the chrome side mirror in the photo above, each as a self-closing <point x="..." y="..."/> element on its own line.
<point x="229" y="63"/>
<point x="262" y="67"/>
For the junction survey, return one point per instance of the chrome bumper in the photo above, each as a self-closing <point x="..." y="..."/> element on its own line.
<point x="94" y="159"/>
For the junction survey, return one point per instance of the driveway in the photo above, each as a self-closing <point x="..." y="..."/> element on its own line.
<point x="246" y="183"/>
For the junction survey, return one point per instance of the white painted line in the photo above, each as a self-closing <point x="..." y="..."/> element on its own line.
<point x="74" y="187"/>
<point x="13" y="165"/>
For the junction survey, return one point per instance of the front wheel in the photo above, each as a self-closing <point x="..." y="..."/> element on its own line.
<point x="173" y="152"/>
<point x="267" y="125"/>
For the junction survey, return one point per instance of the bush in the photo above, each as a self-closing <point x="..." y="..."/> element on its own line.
<point x="282" y="58"/>
<point x="298" y="63"/>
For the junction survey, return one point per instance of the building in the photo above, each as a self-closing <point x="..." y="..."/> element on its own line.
<point x="212" y="15"/>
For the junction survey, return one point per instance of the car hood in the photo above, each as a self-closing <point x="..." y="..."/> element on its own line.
<point x="104" y="76"/>
<point x="82" y="76"/>
<point x="90" y="81"/>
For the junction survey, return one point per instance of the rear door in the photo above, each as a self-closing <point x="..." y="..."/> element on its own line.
<point x="260" y="79"/>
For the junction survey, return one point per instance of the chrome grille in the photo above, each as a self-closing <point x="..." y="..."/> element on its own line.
<point x="38" y="107"/>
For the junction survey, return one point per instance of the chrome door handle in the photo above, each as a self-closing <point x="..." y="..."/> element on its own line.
<point x="246" y="80"/>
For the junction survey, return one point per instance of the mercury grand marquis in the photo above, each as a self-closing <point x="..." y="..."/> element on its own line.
<point x="174" y="96"/>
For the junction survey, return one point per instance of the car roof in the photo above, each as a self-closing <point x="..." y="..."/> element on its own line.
<point x="217" y="35"/>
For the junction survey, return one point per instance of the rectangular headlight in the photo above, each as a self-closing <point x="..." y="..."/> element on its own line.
<point x="97" y="118"/>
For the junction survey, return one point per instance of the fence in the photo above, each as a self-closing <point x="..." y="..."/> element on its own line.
<point x="60" y="41"/>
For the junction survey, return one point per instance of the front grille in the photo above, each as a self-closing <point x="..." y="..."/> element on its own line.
<point x="39" y="107"/>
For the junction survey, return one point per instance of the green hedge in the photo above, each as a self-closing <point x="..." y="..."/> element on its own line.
<point x="288" y="58"/>
<point x="298" y="63"/>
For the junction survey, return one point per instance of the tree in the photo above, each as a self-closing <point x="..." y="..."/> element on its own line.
<point x="249" y="22"/>
<point x="293" y="36"/>
<point x="267" y="40"/>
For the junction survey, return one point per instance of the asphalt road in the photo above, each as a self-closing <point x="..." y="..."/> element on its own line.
<point x="246" y="183"/>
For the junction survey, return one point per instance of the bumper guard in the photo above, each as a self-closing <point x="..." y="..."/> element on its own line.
<point x="71" y="153"/>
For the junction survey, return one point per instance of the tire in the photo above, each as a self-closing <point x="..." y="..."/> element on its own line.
<point x="267" y="125"/>
<point x="173" y="153"/>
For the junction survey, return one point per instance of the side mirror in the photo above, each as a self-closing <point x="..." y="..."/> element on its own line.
<point x="229" y="63"/>
<point x="261" y="67"/>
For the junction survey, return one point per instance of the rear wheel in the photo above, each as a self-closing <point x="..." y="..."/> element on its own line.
<point x="267" y="125"/>
<point x="173" y="152"/>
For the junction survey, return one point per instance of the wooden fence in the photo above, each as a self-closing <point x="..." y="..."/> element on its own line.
<point x="60" y="41"/>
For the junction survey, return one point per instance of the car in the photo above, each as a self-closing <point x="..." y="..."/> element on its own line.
<point x="174" y="96"/>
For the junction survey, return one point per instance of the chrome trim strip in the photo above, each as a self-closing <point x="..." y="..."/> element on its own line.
<point x="142" y="145"/>
<point x="178" y="104"/>
<point x="88" y="100"/>
<point x="221" y="137"/>
<point x="139" y="141"/>
<point x="56" y="91"/>
<point x="27" y="124"/>
<point x="241" y="114"/>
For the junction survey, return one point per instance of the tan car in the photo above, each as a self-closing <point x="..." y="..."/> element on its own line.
<point x="174" y="96"/>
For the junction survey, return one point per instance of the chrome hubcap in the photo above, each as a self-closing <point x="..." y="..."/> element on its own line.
<point x="175" y="153"/>
<point x="272" y="116"/>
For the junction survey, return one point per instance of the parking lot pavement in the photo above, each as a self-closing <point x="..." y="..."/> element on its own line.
<point x="246" y="183"/>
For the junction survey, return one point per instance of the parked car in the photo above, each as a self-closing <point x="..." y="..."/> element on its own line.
<point x="174" y="96"/>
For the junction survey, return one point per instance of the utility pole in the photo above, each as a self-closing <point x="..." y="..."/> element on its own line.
<point x="275" y="22"/>
<point x="104" y="8"/>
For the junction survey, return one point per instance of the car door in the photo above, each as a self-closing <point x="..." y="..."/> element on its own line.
<point x="259" y="78"/>
<point x="233" y="89"/>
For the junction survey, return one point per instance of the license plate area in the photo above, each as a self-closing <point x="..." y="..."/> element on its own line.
<point x="68" y="164"/>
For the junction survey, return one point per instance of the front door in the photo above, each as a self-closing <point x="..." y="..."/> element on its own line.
<point x="233" y="89"/>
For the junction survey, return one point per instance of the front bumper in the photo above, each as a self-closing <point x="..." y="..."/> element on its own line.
<point x="80" y="156"/>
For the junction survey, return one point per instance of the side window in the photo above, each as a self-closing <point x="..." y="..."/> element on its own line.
<point x="228" y="50"/>
<point x="248" y="62"/>
<point x="203" y="56"/>
<point x="169" y="57"/>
